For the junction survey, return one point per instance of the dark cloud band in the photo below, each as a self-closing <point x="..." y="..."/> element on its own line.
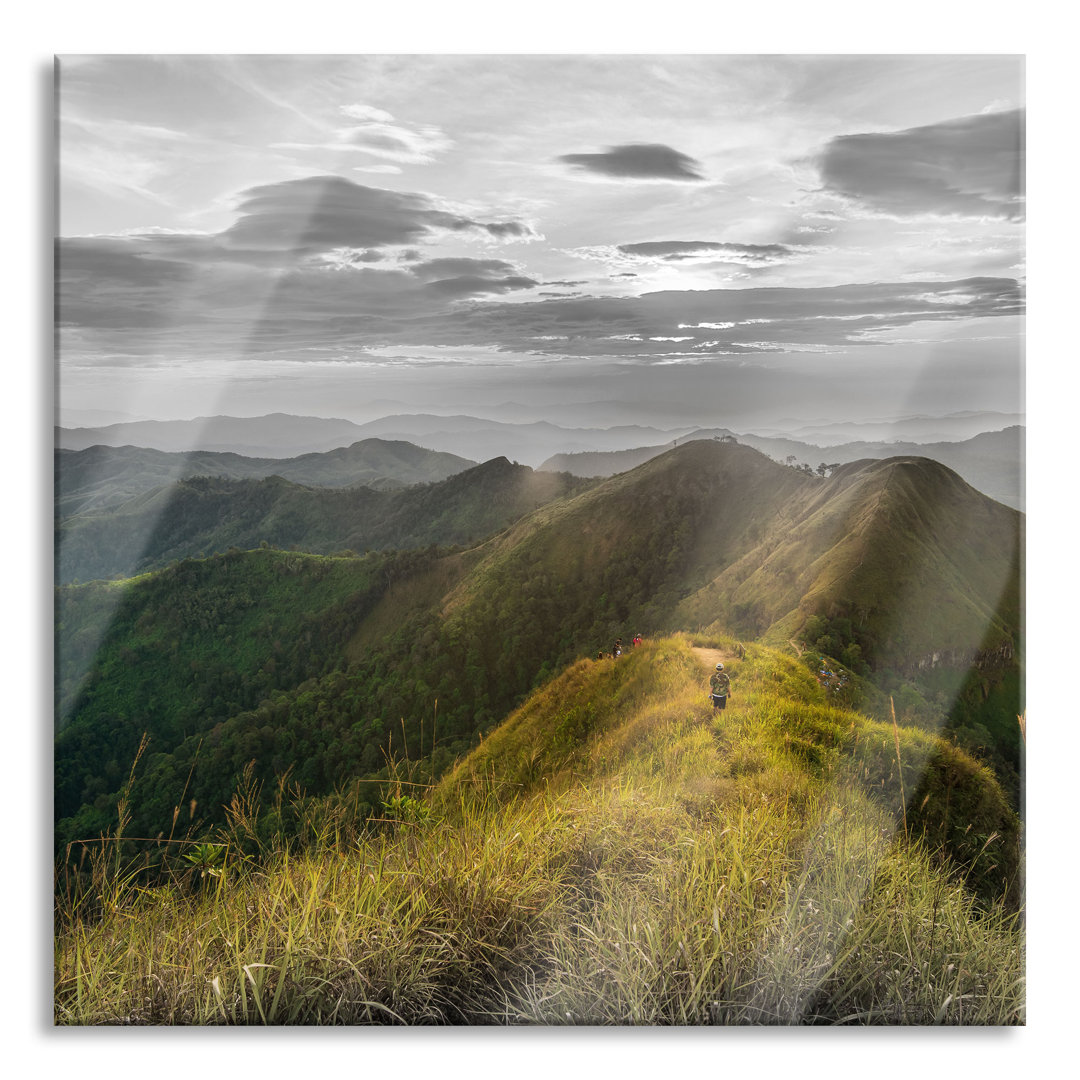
<point x="638" y="161"/>
<point x="321" y="213"/>
<point x="969" y="167"/>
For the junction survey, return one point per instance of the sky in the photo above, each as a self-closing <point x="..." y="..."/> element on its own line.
<point x="744" y="240"/>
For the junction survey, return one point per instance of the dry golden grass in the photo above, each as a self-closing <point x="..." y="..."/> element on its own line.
<point x="613" y="854"/>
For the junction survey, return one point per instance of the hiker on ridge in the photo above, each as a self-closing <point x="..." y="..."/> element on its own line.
<point x="719" y="688"/>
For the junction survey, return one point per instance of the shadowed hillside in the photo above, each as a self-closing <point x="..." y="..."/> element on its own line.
<point x="203" y="515"/>
<point x="102" y="477"/>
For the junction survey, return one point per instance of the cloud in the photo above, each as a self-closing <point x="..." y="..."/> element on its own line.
<point x="343" y="258"/>
<point x="296" y="265"/>
<point x="114" y="156"/>
<point x="475" y="285"/>
<point x="738" y="254"/>
<point x="314" y="312"/>
<point x="318" y="265"/>
<point x="377" y="133"/>
<point x="417" y="146"/>
<point x="367" y="114"/>
<point x="727" y="322"/>
<point x="100" y="280"/>
<point x="113" y="283"/>
<point x="435" y="269"/>
<point x="718" y="256"/>
<point x="321" y="213"/>
<point x="111" y="259"/>
<point x="501" y="229"/>
<point x="637" y="161"/>
<point x="969" y="167"/>
<point x="461" y="277"/>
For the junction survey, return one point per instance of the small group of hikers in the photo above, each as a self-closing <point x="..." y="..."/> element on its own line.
<point x="719" y="681"/>
<point x="831" y="680"/>
<point x="617" y="648"/>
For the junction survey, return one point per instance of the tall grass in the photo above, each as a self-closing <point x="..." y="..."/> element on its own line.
<point x="613" y="854"/>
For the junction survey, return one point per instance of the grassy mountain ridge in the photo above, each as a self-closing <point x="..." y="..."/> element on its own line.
<point x="719" y="534"/>
<point x="575" y="729"/>
<point x="916" y="558"/>
<point x="613" y="853"/>
<point x="627" y="549"/>
<point x="991" y="461"/>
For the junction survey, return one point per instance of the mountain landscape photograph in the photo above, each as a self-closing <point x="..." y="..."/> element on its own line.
<point x="539" y="541"/>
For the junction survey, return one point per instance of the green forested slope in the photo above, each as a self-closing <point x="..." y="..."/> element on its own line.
<point x="188" y="648"/>
<point x="206" y="515"/>
<point x="429" y="650"/>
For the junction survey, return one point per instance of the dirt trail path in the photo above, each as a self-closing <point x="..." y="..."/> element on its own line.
<point x="711" y="657"/>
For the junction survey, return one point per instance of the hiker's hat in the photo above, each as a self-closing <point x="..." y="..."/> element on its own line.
<point x="719" y="667"/>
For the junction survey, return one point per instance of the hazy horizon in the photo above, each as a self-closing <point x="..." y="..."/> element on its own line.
<point x="517" y="413"/>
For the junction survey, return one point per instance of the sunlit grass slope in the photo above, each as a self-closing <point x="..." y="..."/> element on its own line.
<point x="923" y="565"/>
<point x="613" y="853"/>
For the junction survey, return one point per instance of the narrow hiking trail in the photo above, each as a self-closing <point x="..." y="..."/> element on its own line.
<point x="711" y="657"/>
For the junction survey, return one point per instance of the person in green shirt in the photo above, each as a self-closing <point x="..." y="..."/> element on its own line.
<point x="719" y="688"/>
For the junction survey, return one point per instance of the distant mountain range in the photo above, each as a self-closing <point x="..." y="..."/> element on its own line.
<point x="992" y="462"/>
<point x="281" y="436"/>
<point x="102" y="477"/>
<point x="984" y="448"/>
<point x="918" y="429"/>
<point x="594" y="426"/>
<point x="277" y="435"/>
